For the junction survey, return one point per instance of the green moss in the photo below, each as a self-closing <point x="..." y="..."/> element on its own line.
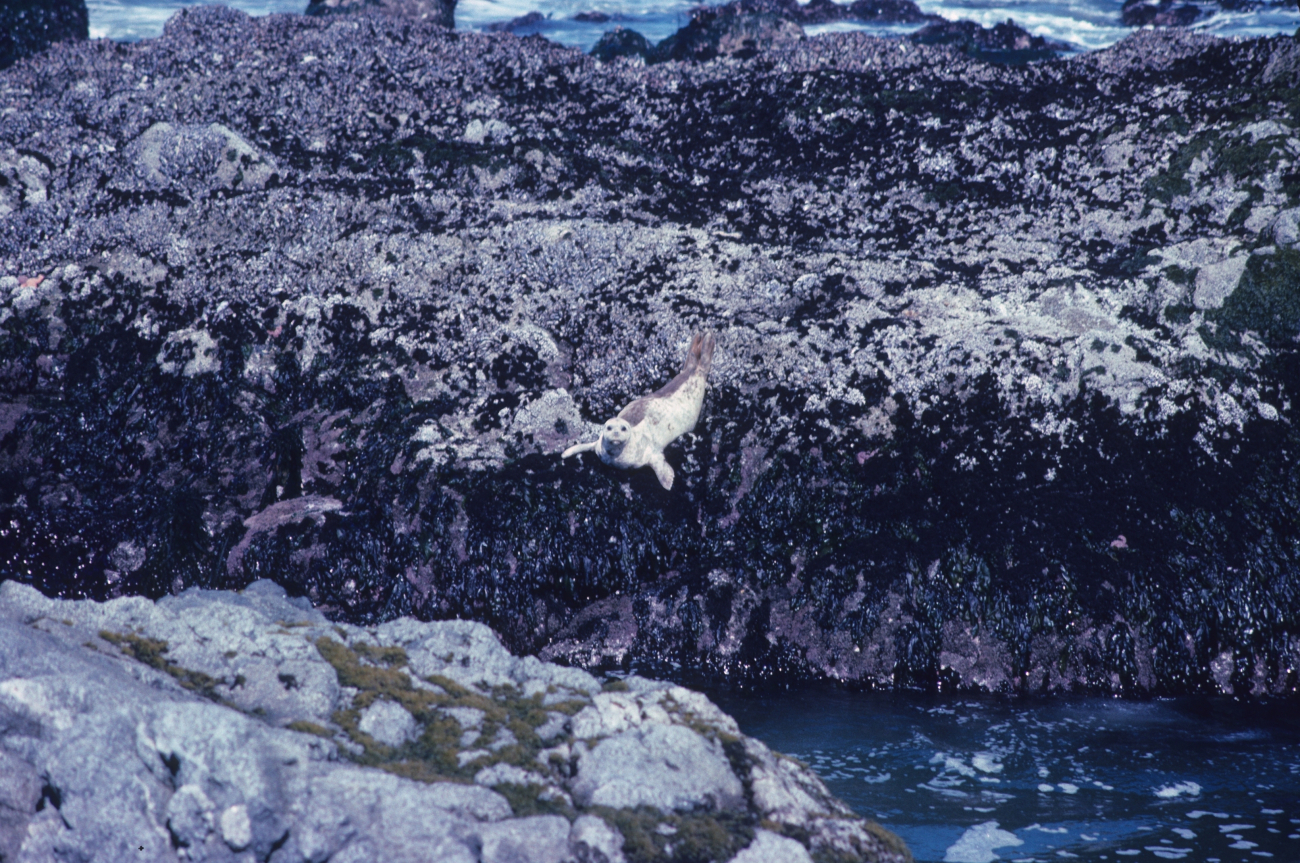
<point x="891" y="840"/>
<point x="614" y="685"/>
<point x="524" y="801"/>
<point x="150" y="652"/>
<point x="1172" y="182"/>
<point x="347" y="664"/>
<point x="309" y="728"/>
<point x="1266" y="301"/>
<point x="1180" y="276"/>
<point x="392" y="657"/>
<point x="376" y="673"/>
<point x="650" y="835"/>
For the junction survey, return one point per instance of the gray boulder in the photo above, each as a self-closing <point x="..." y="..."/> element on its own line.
<point x="134" y="725"/>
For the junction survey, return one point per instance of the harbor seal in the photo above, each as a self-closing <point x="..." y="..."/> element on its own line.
<point x="637" y="436"/>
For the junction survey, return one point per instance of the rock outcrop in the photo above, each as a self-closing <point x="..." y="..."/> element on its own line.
<point x="245" y="726"/>
<point x="1005" y="391"/>
<point x="30" y="26"/>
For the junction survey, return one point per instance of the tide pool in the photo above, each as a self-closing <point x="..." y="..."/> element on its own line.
<point x="974" y="780"/>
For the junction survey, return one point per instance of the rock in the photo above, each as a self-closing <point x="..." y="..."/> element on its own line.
<point x="594" y="841"/>
<point x="112" y="739"/>
<point x="25" y="180"/>
<point x="1158" y="13"/>
<point x="1003" y="43"/>
<point x="522" y="22"/>
<point x="193" y="160"/>
<point x="621" y="42"/>
<point x="439" y="12"/>
<point x="665" y="766"/>
<point x="479" y="132"/>
<point x="962" y="323"/>
<point x="1286" y="227"/>
<point x="1216" y="282"/>
<point x="719" y="32"/>
<point x="769" y="847"/>
<point x="30" y="26"/>
<point x="388" y="723"/>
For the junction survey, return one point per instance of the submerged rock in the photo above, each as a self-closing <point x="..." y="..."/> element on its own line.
<point x="212" y="723"/>
<point x="1004" y="395"/>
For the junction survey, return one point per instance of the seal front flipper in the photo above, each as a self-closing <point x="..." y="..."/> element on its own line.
<point x="662" y="469"/>
<point x="579" y="447"/>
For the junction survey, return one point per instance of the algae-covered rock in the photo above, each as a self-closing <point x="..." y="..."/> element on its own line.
<point x="109" y="745"/>
<point x="1004" y="395"/>
<point x="30" y="26"/>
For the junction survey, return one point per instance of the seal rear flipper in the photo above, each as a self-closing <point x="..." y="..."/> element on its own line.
<point x="579" y="447"/>
<point x="662" y="469"/>
<point x="704" y="352"/>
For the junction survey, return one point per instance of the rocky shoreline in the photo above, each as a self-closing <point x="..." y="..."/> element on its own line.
<point x="1003" y="396"/>
<point x="245" y="726"/>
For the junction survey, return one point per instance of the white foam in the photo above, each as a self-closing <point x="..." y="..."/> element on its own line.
<point x="1041" y="829"/>
<point x="1068" y="787"/>
<point x="977" y="843"/>
<point x="1166" y="852"/>
<point x="1185" y="833"/>
<point x="986" y="762"/>
<point x="1243" y="845"/>
<point x="1045" y="788"/>
<point x="1201" y="813"/>
<point x="1191" y="789"/>
<point x="1234" y="828"/>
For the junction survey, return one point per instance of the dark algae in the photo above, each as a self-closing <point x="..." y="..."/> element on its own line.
<point x="1004" y="396"/>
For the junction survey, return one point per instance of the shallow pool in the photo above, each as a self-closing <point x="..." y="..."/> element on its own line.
<point x="972" y="780"/>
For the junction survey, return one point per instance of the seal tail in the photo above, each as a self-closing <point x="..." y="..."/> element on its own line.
<point x="700" y="355"/>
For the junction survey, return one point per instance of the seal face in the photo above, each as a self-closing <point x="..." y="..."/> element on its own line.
<point x="637" y="436"/>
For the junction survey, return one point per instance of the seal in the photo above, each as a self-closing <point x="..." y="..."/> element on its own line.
<point x="637" y="436"/>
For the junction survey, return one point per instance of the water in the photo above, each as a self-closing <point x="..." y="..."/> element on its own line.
<point x="1086" y="24"/>
<point x="972" y="780"/>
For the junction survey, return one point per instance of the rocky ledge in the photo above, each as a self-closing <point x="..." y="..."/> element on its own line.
<point x="1007" y="378"/>
<point x="246" y="726"/>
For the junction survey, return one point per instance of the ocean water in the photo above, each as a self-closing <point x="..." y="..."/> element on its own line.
<point x="1085" y="24"/>
<point x="973" y="780"/>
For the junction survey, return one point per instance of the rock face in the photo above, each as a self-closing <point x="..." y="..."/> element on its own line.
<point x="30" y="26"/>
<point x="244" y="726"/>
<point x="1004" y="395"/>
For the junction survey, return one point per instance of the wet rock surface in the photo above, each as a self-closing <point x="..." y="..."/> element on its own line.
<point x="1003" y="395"/>
<point x="221" y="726"/>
